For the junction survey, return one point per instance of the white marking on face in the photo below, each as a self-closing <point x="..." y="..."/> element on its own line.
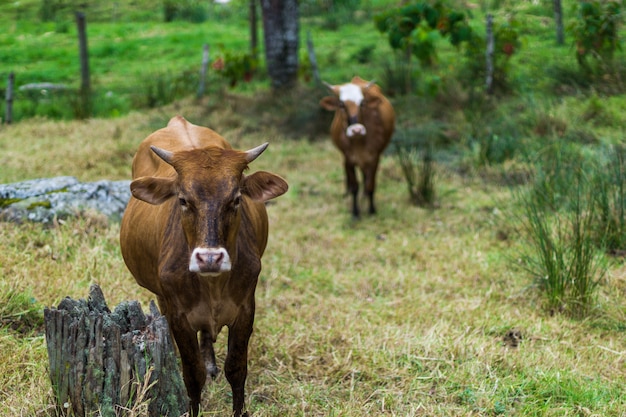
<point x="209" y="262"/>
<point x="351" y="92"/>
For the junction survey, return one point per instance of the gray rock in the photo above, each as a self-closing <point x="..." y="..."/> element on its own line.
<point x="43" y="200"/>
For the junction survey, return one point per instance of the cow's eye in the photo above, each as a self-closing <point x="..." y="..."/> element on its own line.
<point x="236" y="202"/>
<point x="182" y="202"/>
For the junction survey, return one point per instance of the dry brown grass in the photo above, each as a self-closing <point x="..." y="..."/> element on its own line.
<point x="402" y="314"/>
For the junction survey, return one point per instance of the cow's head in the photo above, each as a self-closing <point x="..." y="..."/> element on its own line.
<point x="351" y="99"/>
<point x="210" y="189"/>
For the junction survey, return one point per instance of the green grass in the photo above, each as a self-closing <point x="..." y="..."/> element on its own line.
<point x="401" y="314"/>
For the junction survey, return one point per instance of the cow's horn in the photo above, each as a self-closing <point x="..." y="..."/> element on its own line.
<point x="253" y="154"/>
<point x="329" y="86"/>
<point x="371" y="83"/>
<point x="163" y="154"/>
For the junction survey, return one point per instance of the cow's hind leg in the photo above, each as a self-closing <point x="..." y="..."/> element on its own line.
<point x="352" y="186"/>
<point x="206" y="347"/>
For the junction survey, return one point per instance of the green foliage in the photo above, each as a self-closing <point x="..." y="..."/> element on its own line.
<point x="235" y="66"/>
<point x="415" y="28"/>
<point x="596" y="32"/>
<point x="333" y="13"/>
<point x="494" y="136"/>
<point x="160" y="89"/>
<point x="187" y="10"/>
<point x="507" y="43"/>
<point x="363" y="55"/>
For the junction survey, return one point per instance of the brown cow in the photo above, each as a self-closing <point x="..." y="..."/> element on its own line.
<point x="193" y="233"/>
<point x="361" y="129"/>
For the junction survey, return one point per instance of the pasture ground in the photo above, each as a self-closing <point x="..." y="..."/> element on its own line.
<point x="413" y="312"/>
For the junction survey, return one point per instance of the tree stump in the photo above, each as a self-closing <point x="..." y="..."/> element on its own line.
<point x="112" y="363"/>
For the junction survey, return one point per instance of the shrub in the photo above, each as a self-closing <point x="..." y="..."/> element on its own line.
<point x="507" y="43"/>
<point x="235" y="67"/>
<point x="164" y="88"/>
<point x="595" y="31"/>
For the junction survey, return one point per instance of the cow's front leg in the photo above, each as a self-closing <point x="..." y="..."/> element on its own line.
<point x="206" y="347"/>
<point x="369" y="177"/>
<point x="194" y="372"/>
<point x="352" y="186"/>
<point x="236" y="364"/>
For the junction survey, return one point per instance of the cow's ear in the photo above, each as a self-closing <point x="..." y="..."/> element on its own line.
<point x="153" y="190"/>
<point x="371" y="102"/>
<point x="330" y="103"/>
<point x="263" y="186"/>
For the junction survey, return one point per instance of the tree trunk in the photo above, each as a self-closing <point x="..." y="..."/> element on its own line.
<point x="85" y="81"/>
<point x="558" y="18"/>
<point x="312" y="58"/>
<point x="203" y="70"/>
<point x="103" y="362"/>
<point x="253" y="30"/>
<point x="281" y="32"/>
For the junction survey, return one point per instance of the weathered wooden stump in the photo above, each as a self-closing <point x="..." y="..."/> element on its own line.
<point x="103" y="363"/>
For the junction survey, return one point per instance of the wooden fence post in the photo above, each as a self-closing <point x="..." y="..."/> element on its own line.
<point x="103" y="362"/>
<point x="558" y="19"/>
<point x="312" y="58"/>
<point x="489" y="54"/>
<point x="203" y="70"/>
<point x="85" y="83"/>
<point x="8" y="112"/>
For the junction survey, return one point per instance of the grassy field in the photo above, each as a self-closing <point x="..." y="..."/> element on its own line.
<point x="413" y="312"/>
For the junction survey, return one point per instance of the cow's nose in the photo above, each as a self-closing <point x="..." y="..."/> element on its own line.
<point x="209" y="261"/>
<point x="209" y="258"/>
<point x="356" y="129"/>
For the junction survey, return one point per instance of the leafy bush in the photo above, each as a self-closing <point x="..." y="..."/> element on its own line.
<point x="595" y="31"/>
<point x="161" y="89"/>
<point x="495" y="137"/>
<point x="507" y="43"/>
<point x="235" y="67"/>
<point x="414" y="28"/>
<point x="188" y="10"/>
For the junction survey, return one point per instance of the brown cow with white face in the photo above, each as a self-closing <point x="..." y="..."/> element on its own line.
<point x="361" y="129"/>
<point x="193" y="233"/>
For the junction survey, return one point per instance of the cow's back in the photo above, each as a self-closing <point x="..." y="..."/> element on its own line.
<point x="177" y="136"/>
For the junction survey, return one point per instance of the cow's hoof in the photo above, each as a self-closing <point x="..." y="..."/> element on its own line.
<point x="212" y="372"/>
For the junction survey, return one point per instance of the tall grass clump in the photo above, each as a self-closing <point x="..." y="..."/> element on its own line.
<point x="414" y="152"/>
<point x="563" y="252"/>
<point x="610" y="201"/>
<point x="19" y="310"/>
